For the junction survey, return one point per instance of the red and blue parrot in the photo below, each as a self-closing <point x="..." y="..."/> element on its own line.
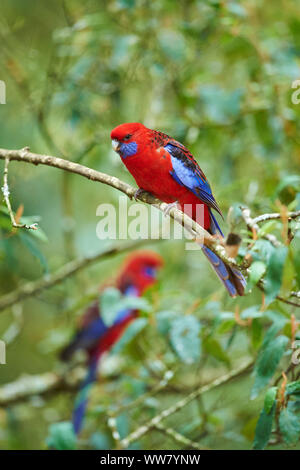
<point x="164" y="167"/>
<point x="138" y="272"/>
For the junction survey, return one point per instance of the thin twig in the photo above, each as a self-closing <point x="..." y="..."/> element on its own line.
<point x="253" y="226"/>
<point x="274" y="216"/>
<point x="5" y="191"/>
<point x="112" y="419"/>
<point x="168" y="375"/>
<point x="286" y="301"/>
<point x="144" y="429"/>
<point x="179" y="438"/>
<point x="261" y="286"/>
<point x="50" y="383"/>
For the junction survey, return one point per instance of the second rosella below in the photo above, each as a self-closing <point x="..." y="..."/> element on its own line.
<point x="138" y="273"/>
<point x="165" y="168"/>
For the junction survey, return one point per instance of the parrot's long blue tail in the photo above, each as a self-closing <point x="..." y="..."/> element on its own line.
<point x="232" y="278"/>
<point x="82" y="397"/>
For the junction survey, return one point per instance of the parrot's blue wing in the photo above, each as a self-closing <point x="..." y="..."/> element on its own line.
<point x="187" y="172"/>
<point x="90" y="335"/>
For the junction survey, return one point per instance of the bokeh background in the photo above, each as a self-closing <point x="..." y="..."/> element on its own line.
<point x="217" y="75"/>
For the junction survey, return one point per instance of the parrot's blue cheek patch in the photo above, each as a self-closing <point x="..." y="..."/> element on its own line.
<point x="127" y="150"/>
<point x="150" y="271"/>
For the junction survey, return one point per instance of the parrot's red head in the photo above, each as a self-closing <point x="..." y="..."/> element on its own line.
<point x="124" y="138"/>
<point x="140" y="270"/>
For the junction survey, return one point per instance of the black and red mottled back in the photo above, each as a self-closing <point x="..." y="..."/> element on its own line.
<point x="182" y="153"/>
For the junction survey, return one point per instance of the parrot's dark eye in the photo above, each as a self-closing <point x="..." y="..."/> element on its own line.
<point x="127" y="136"/>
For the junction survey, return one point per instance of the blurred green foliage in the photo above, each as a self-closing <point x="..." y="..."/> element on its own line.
<point x="217" y="76"/>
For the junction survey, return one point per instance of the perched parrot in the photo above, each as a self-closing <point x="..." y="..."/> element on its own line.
<point x="137" y="274"/>
<point x="165" y="168"/>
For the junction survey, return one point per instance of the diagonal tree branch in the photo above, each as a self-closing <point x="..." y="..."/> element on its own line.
<point x="199" y="233"/>
<point x="168" y="375"/>
<point x="40" y="384"/>
<point x="144" y="429"/>
<point x="32" y="288"/>
<point x="179" y="438"/>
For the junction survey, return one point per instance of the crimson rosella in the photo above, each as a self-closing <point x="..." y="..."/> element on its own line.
<point x="165" y="168"/>
<point x="137" y="274"/>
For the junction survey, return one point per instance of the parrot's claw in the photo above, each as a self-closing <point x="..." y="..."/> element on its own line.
<point x="168" y="208"/>
<point x="138" y="193"/>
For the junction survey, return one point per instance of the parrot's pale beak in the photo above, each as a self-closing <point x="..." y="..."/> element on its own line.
<point x="115" y="145"/>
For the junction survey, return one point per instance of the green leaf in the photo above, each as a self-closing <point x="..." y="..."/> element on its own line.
<point x="292" y="181"/>
<point x="289" y="425"/>
<point x="136" y="303"/>
<point x="293" y="388"/>
<point x="100" y="441"/>
<point x="252" y="312"/>
<point x="220" y="105"/>
<point x="273" y="276"/>
<point x="224" y="322"/>
<point x="257" y="270"/>
<point x="268" y="360"/>
<point x="234" y="215"/>
<point x="123" y="425"/>
<point x="270" y="398"/>
<point x="264" y="428"/>
<point x="112" y="302"/>
<point x="62" y="436"/>
<point x="185" y="338"/>
<point x="226" y="326"/>
<point x="256" y="333"/>
<point x="214" y="348"/>
<point x="273" y="329"/>
<point x="32" y="246"/>
<point x="164" y="321"/>
<point x="5" y="222"/>
<point x="236" y="9"/>
<point x="268" y="227"/>
<point x="132" y="330"/>
<point x="172" y="44"/>
<point x="262" y="250"/>
<point x="127" y="3"/>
